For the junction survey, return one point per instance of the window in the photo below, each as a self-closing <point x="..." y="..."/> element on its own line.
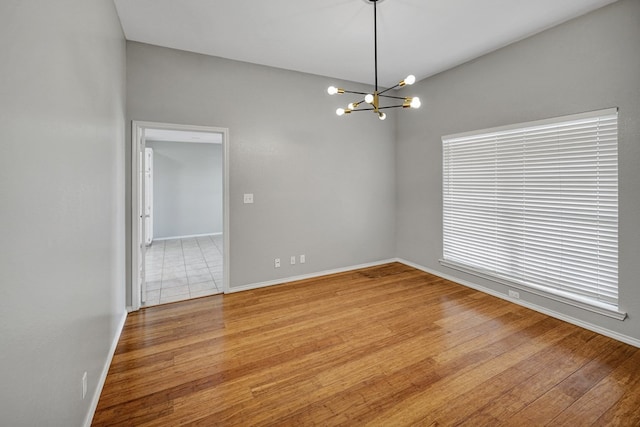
<point x="535" y="206"/>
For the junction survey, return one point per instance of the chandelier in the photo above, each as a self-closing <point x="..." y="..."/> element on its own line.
<point x="371" y="101"/>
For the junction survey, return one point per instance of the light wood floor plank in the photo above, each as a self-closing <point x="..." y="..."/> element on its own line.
<point x="387" y="345"/>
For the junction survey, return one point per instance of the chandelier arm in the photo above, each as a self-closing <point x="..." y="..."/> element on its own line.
<point x="379" y="108"/>
<point x="357" y="93"/>
<point x="388" y="89"/>
<point x="393" y="97"/>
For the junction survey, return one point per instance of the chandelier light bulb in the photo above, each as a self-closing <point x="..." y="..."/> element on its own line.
<point x="340" y="111"/>
<point x="410" y="79"/>
<point x="368" y="99"/>
<point x="382" y="116"/>
<point x="415" y="102"/>
<point x="332" y="90"/>
<point x="352" y="106"/>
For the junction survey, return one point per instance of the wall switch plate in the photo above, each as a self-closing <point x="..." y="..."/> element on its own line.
<point x="514" y="294"/>
<point x="248" y="198"/>
<point x="276" y="263"/>
<point x="303" y="259"/>
<point x="293" y="260"/>
<point x="84" y="384"/>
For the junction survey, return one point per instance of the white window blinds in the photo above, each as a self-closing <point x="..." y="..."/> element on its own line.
<point x="535" y="205"/>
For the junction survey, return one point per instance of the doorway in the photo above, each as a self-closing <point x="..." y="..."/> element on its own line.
<point x="180" y="212"/>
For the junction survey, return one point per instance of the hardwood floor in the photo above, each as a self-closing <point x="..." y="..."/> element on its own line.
<point x="386" y="346"/>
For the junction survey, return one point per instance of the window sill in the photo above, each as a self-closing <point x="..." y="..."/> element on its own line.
<point x="594" y="307"/>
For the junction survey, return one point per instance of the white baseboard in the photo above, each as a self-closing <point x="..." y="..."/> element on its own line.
<point x="105" y="371"/>
<point x="189" y="236"/>
<point x="586" y="325"/>
<point x="305" y="276"/>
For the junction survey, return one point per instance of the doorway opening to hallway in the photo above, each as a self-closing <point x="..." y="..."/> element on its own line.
<point x="181" y="213"/>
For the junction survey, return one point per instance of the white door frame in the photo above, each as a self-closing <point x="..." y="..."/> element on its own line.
<point x="137" y="146"/>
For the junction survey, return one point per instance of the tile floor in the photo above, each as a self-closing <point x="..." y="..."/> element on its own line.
<point x="181" y="269"/>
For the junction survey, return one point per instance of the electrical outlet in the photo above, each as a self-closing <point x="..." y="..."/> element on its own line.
<point x="248" y="198"/>
<point x="303" y="259"/>
<point x="276" y="263"/>
<point x="514" y="294"/>
<point x="293" y="260"/>
<point x="84" y="384"/>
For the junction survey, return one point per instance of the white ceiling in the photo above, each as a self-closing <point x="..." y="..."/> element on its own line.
<point x="335" y="37"/>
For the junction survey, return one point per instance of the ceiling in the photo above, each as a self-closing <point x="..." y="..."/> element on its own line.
<point x="335" y="37"/>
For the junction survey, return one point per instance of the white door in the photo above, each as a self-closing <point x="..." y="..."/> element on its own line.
<point x="148" y="196"/>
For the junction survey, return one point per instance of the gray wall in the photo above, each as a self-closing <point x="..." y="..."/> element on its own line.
<point x="187" y="188"/>
<point x="62" y="90"/>
<point x="589" y="63"/>
<point x="324" y="186"/>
